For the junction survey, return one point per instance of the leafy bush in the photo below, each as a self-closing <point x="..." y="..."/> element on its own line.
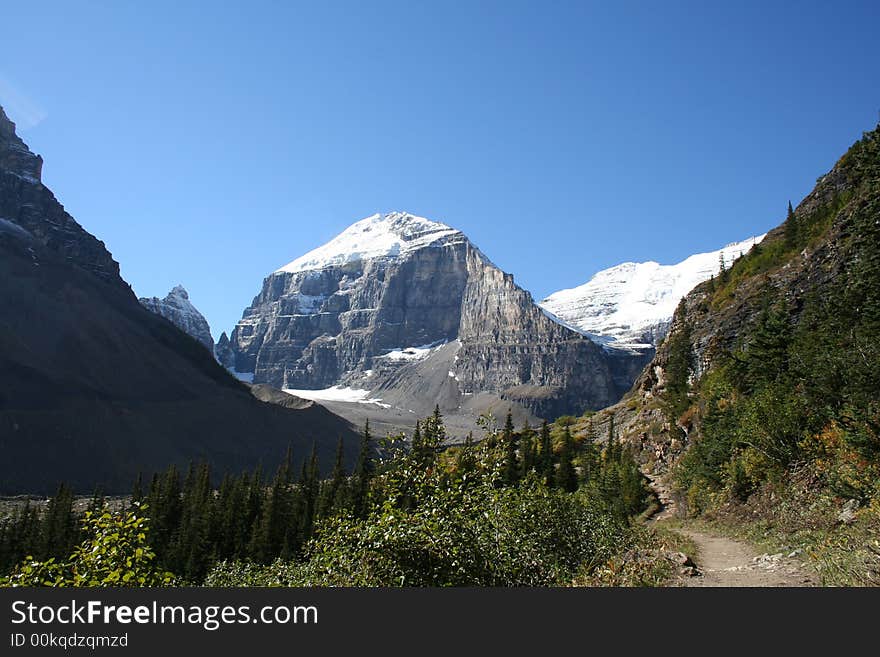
<point x="116" y="553"/>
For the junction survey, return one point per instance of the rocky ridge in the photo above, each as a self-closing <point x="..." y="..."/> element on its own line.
<point x="179" y="310"/>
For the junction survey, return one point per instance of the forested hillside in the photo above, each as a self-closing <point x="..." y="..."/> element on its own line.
<point x="523" y="507"/>
<point x="762" y="407"/>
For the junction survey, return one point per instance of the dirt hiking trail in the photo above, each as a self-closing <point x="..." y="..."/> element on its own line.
<point x="723" y="561"/>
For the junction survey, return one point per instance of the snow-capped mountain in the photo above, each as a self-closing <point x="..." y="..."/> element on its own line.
<point x="179" y="310"/>
<point x="630" y="306"/>
<point x="392" y="235"/>
<point x="410" y="310"/>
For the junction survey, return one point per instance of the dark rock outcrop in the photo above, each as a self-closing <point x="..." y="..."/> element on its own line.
<point x="25" y="201"/>
<point x="223" y="352"/>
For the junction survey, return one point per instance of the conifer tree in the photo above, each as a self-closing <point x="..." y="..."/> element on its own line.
<point x="509" y="442"/>
<point x="722" y="269"/>
<point x="767" y="354"/>
<point x="547" y="471"/>
<point x="791" y="228"/>
<point x="137" y="493"/>
<point x="566" y="476"/>
<point x="59" y="532"/>
<point x="679" y="365"/>
<point x="334" y="490"/>
<point x="527" y="450"/>
<point x="309" y="488"/>
<point x="362" y="474"/>
<point x="589" y="454"/>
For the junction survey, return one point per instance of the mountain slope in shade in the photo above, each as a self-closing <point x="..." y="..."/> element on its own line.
<point x="179" y="310"/>
<point x="631" y="305"/>
<point x="410" y="310"/>
<point x="94" y="388"/>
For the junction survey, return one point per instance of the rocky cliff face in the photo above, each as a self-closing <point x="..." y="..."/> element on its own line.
<point x="179" y="310"/>
<point x="374" y="308"/>
<point x="26" y="202"/>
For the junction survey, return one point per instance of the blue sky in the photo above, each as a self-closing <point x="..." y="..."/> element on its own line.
<point x="209" y="144"/>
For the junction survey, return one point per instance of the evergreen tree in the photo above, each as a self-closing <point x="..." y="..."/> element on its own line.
<point x="767" y="354"/>
<point x="546" y="466"/>
<point x="589" y="454"/>
<point x="511" y="467"/>
<point x="566" y="476"/>
<point x="723" y="275"/>
<point x="791" y="228"/>
<point x="333" y="494"/>
<point x="309" y="491"/>
<point x="527" y="450"/>
<point x="679" y="365"/>
<point x="189" y="554"/>
<point x="164" y="507"/>
<point x="362" y="475"/>
<point x="59" y="531"/>
<point x="418" y="443"/>
<point x="137" y="493"/>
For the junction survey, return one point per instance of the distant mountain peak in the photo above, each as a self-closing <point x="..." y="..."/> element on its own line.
<point x="381" y="235"/>
<point x="178" y="292"/>
<point x="179" y="310"/>
<point x="15" y="157"/>
<point x="631" y="304"/>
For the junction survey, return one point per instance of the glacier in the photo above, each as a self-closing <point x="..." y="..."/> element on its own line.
<point x="630" y="305"/>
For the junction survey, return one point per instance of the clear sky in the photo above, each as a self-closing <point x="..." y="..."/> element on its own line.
<point x="210" y="143"/>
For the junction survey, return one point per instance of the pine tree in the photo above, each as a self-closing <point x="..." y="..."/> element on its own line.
<point x="59" y="532"/>
<point x="791" y="228"/>
<point x="527" y="450"/>
<point x="679" y="365"/>
<point x="589" y="455"/>
<point x="767" y="353"/>
<point x="417" y="447"/>
<point x="334" y="491"/>
<point x="309" y="488"/>
<point x="137" y="493"/>
<point x="566" y="476"/>
<point x="362" y="474"/>
<point x="511" y="462"/>
<point x="547" y="471"/>
<point x="190" y="554"/>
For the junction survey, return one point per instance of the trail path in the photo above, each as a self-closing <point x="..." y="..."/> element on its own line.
<point x="724" y="561"/>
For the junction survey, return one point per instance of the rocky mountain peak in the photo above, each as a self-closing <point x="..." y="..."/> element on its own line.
<point x="179" y="310"/>
<point x="389" y="235"/>
<point x="15" y="156"/>
<point x="410" y="307"/>
<point x="27" y="203"/>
